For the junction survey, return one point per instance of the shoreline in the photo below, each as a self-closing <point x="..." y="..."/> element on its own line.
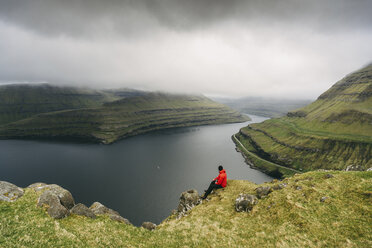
<point x="258" y="163"/>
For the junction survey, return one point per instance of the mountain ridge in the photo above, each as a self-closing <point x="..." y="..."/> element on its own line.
<point x="333" y="132"/>
<point x="113" y="118"/>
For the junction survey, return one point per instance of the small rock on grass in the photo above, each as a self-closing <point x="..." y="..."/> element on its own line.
<point x="245" y="202"/>
<point x="98" y="209"/>
<point x="279" y="186"/>
<point x="326" y="176"/>
<point x="262" y="192"/>
<point x="149" y="225"/>
<point x="81" y="209"/>
<point x="118" y="218"/>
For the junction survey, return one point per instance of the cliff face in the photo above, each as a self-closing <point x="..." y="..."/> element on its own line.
<point x="108" y="120"/>
<point x="333" y="132"/>
<point x="314" y="209"/>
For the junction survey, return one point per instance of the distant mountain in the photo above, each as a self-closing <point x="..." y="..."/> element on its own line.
<point x="21" y="101"/>
<point x="104" y="116"/>
<point x="269" y="107"/>
<point x="333" y="132"/>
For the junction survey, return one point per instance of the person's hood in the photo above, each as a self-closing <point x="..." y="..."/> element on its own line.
<point x="222" y="171"/>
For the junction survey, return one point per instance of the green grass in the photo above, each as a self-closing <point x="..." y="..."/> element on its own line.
<point x="287" y="218"/>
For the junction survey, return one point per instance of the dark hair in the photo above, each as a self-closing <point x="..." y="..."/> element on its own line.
<point x="220" y="168"/>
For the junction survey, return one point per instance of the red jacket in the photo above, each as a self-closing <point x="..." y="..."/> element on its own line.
<point x="221" y="178"/>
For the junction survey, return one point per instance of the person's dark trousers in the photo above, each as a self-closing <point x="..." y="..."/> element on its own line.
<point x="212" y="186"/>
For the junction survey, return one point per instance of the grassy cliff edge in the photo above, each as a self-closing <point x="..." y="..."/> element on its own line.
<point x="294" y="216"/>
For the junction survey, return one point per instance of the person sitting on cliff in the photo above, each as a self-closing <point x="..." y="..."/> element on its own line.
<point x="217" y="183"/>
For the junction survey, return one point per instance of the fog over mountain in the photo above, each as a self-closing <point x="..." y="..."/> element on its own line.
<point x="292" y="49"/>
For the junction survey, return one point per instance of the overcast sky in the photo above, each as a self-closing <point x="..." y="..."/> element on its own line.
<point x="286" y="48"/>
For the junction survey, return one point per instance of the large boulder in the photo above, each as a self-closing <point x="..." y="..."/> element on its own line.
<point x="188" y="200"/>
<point x="64" y="195"/>
<point x="55" y="209"/>
<point x="262" y="192"/>
<point x="9" y="192"/>
<point x="149" y="225"/>
<point x="245" y="202"/>
<point x="57" y="199"/>
<point x="81" y="209"/>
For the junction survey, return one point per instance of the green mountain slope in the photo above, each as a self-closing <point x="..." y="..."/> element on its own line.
<point x="333" y="132"/>
<point x="123" y="118"/>
<point x="22" y="101"/>
<point x="294" y="216"/>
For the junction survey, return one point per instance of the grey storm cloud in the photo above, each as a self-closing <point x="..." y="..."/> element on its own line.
<point x="286" y="48"/>
<point x="79" y="17"/>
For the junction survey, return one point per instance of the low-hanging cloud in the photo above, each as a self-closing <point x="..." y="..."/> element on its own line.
<point x="285" y="48"/>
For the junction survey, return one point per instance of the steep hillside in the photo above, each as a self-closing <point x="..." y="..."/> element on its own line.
<point x="314" y="209"/>
<point x="22" y="101"/>
<point x="333" y="132"/>
<point x="122" y="118"/>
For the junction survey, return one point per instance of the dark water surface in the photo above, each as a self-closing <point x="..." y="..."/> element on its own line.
<point x="141" y="177"/>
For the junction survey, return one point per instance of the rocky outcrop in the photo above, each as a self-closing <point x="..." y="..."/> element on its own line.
<point x="149" y="225"/>
<point x="9" y="192"/>
<point x="55" y="209"/>
<point x="262" y="192"/>
<point x="99" y="209"/>
<point x="57" y="199"/>
<point x="354" y="167"/>
<point x="81" y="209"/>
<point x="188" y="200"/>
<point x="245" y="202"/>
<point x="59" y="202"/>
<point x="37" y="186"/>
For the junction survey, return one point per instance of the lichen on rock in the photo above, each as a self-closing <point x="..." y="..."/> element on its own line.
<point x="245" y="202"/>
<point x="188" y="200"/>
<point x="9" y="192"/>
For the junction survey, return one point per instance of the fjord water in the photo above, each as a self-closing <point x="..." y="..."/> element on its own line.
<point x="141" y="177"/>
